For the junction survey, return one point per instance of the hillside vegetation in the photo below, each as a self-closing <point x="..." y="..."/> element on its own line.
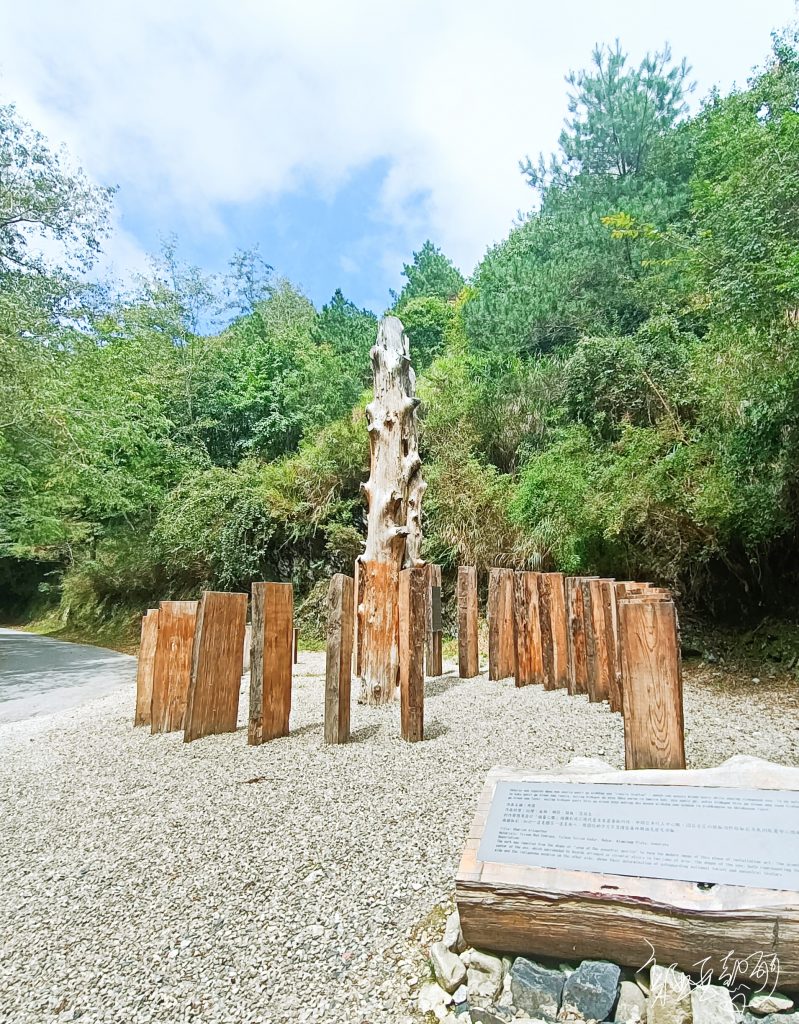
<point x="615" y="390"/>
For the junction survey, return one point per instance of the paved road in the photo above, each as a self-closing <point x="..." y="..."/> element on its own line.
<point x="39" y="675"/>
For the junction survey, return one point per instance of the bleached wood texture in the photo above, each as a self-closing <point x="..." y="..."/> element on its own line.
<point x="526" y="634"/>
<point x="412" y="619"/>
<point x="217" y="664"/>
<point x="468" y="651"/>
<point x="145" y="665"/>
<point x="434" y="663"/>
<point x="271" y="661"/>
<point x="654" y="733"/>
<point x="356" y="667"/>
<point x="394" y="495"/>
<point x="578" y="915"/>
<point x="578" y="665"/>
<point x="338" y="663"/>
<point x="559" y="629"/>
<point x="172" y="664"/>
<point x="501" y="629"/>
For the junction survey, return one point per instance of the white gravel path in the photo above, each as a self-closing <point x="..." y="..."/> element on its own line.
<point x="144" y="880"/>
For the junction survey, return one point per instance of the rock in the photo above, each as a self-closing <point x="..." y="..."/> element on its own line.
<point x="453" y="936"/>
<point x="776" y="1018"/>
<point x="669" y="997"/>
<point x="712" y="1004"/>
<point x="763" y="1003"/>
<point x="489" y="1015"/>
<point x="592" y="989"/>
<point x="536" y="989"/>
<point x="433" y="999"/>
<point x="448" y="968"/>
<point x="631" y="1007"/>
<point x="460" y="995"/>
<point x="483" y="977"/>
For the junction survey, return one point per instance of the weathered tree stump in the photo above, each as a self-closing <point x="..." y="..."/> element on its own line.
<point x="217" y="662"/>
<point x="172" y="664"/>
<point x="144" y="668"/>
<point x="271" y="661"/>
<point x="412" y="619"/>
<point x="394" y="494"/>
<point x="338" y="663"/>
<point x="468" y="651"/>
<point x="654" y="731"/>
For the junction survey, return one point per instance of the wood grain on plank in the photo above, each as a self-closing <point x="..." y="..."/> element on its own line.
<point x="145" y="666"/>
<point x="413" y="618"/>
<point x="338" y="663"/>
<point x="468" y="651"/>
<point x="559" y="629"/>
<point x="271" y="661"/>
<point x="172" y="665"/>
<point x="217" y="663"/>
<point x="654" y="734"/>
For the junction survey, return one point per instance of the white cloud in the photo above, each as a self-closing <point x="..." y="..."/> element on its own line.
<point x="195" y="105"/>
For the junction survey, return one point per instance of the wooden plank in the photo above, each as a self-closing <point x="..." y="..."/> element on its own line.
<point x="145" y="665"/>
<point x="217" y="664"/>
<point x="379" y="631"/>
<point x="295" y="645"/>
<point x="413" y="619"/>
<point x="495" y="619"/>
<point x="528" y="668"/>
<point x="359" y="609"/>
<point x="172" y="664"/>
<point x="590" y="640"/>
<point x="545" y="631"/>
<point x="578" y="915"/>
<point x="468" y="651"/>
<point x="603" y="663"/>
<point x="653" y="708"/>
<point x="338" y="662"/>
<point x="271" y="661"/>
<point x="578" y="665"/>
<point x="559" y="629"/>
<point x="433" y="640"/>
<point x="508" y="639"/>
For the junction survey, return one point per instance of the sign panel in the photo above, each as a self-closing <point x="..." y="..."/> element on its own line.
<point x="688" y="833"/>
<point x="436" y="622"/>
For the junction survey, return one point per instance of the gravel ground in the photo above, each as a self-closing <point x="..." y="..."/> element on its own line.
<point x="144" y="880"/>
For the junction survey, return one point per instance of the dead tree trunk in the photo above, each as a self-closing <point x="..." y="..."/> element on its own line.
<point x="394" y="498"/>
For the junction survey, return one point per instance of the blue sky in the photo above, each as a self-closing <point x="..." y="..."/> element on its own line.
<point x="335" y="136"/>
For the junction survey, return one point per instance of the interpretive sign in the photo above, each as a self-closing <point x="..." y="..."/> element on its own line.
<point x="690" y="833"/>
<point x="437" y="622"/>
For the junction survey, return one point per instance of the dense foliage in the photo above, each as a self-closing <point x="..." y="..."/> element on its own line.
<point x="616" y="390"/>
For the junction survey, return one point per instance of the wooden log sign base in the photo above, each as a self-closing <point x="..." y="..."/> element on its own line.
<point x="595" y="863"/>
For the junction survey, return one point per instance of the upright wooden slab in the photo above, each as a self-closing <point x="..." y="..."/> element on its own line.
<point x="559" y="629"/>
<point x="603" y="661"/>
<point x="144" y="668"/>
<point x="271" y="661"/>
<point x="578" y="665"/>
<point x="217" y="664"/>
<point x="338" y="663"/>
<point x="413" y="619"/>
<point x="378" y="631"/>
<point x="576" y="915"/>
<point x="434" y="665"/>
<point x="358" y="612"/>
<point x="591" y="669"/>
<point x="468" y="651"/>
<point x="545" y="630"/>
<point x="501" y="640"/>
<point x="528" y="664"/>
<point x="654" y="733"/>
<point x="172" y="664"/>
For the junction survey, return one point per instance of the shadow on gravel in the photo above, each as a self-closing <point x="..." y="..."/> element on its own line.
<point x="364" y="733"/>
<point x="435" y="687"/>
